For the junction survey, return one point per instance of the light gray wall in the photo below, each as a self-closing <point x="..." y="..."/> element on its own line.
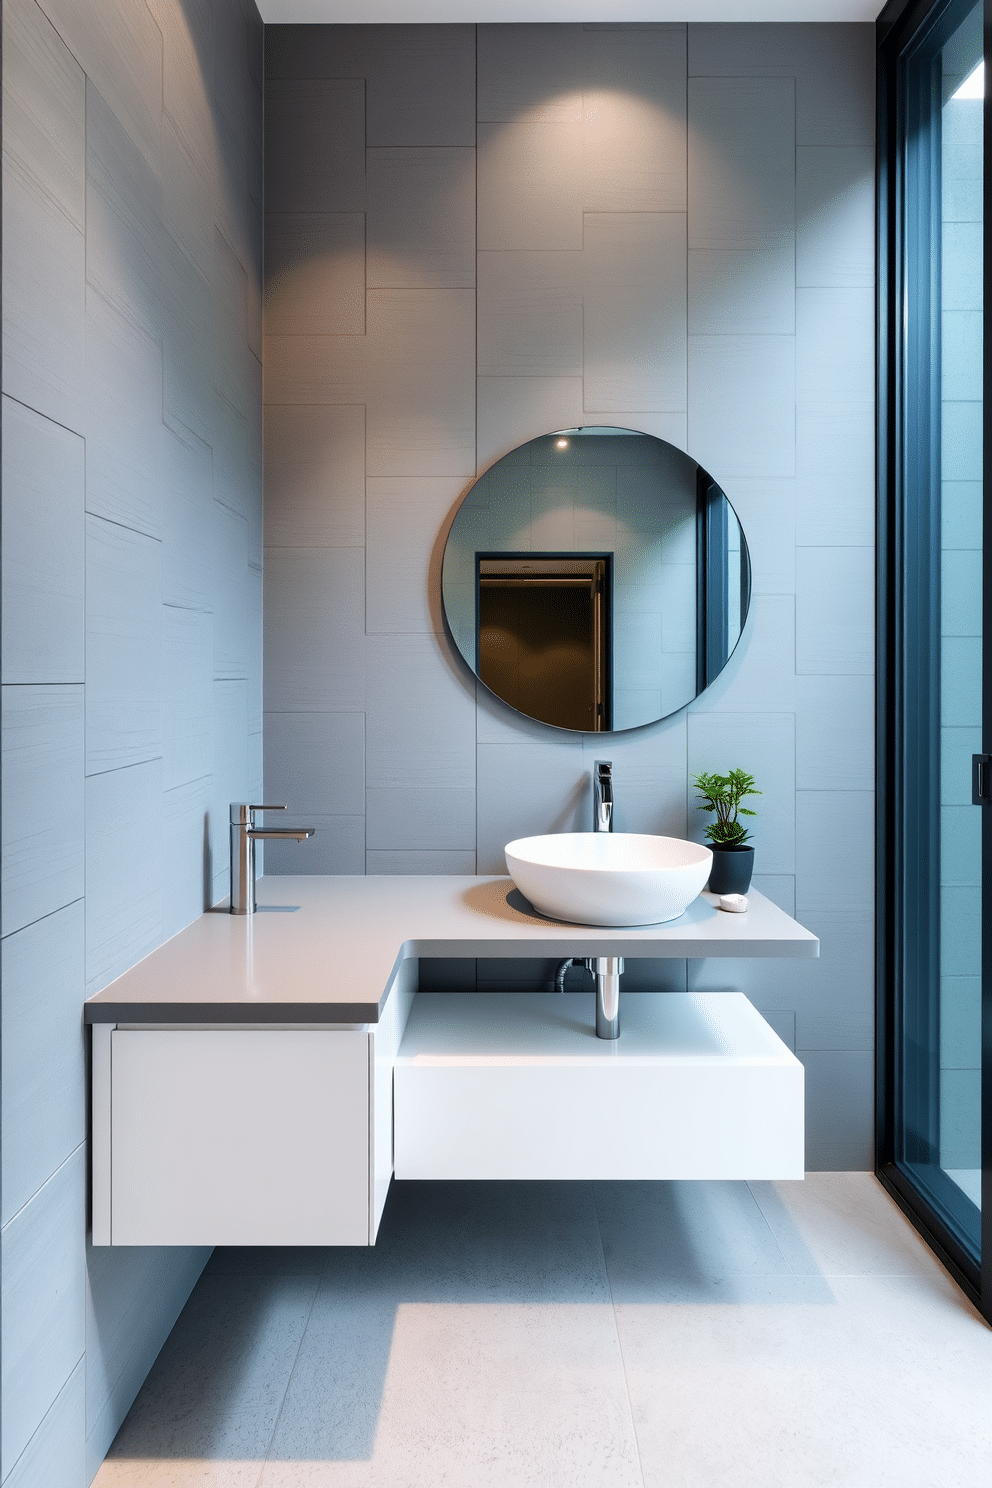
<point x="131" y="620"/>
<point x="476" y="236"/>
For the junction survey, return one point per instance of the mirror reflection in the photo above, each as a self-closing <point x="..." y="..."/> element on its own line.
<point x="596" y="579"/>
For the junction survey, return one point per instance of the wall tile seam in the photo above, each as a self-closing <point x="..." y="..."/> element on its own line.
<point x="39" y="413"/>
<point x="138" y="764"/>
<point x="124" y="526"/>
<point x="185" y="784"/>
<point x="79" y="1147"/>
<point x="189" y="609"/>
<point x="48" y="682"/>
<point x="36" y="1433"/>
<point x="21" y="168"/>
<point x="79" y="899"/>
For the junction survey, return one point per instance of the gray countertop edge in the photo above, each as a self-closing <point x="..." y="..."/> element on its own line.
<point x="232" y="1012"/>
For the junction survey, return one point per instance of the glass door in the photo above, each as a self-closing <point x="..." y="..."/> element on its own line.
<point x="933" y="572"/>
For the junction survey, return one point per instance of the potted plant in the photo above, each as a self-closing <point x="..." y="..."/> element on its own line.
<point x="733" y="859"/>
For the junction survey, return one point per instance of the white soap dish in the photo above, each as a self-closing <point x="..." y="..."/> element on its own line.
<point x="734" y="903"/>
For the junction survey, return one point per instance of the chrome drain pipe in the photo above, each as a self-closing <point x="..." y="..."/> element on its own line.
<point x="608" y="971"/>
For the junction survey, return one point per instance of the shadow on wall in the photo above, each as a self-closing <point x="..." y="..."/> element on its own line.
<point x="318" y="1327"/>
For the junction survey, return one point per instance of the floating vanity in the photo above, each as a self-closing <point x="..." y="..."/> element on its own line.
<point x="258" y="1081"/>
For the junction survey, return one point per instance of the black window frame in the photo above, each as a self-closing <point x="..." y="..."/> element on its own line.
<point x="908" y="644"/>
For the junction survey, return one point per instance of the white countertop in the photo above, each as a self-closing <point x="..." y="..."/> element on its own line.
<point x="325" y="949"/>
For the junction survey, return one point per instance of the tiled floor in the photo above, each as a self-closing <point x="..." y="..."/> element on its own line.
<point x="664" y="1335"/>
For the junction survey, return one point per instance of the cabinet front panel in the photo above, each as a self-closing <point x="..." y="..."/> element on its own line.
<point x="247" y="1137"/>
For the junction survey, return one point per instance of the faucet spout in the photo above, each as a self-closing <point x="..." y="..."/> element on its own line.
<point x="602" y="796"/>
<point x="244" y="835"/>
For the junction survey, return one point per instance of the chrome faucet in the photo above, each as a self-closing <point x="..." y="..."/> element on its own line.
<point x="602" y="796"/>
<point x="244" y="835"/>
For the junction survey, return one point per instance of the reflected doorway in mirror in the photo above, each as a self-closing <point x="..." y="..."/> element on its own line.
<point x="676" y="591"/>
<point x="544" y="635"/>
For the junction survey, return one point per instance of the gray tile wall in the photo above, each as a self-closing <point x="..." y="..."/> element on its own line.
<point x="672" y="230"/>
<point x="132" y="525"/>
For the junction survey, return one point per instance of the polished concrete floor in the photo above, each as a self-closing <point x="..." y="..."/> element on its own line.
<point x="663" y="1335"/>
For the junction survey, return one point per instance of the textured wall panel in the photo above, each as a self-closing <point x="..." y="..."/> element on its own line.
<point x="132" y="134"/>
<point x="124" y="815"/>
<point x="124" y="617"/>
<point x="742" y="405"/>
<point x="314" y="476"/>
<point x="742" y="174"/>
<point x="43" y="549"/>
<point x="833" y="67"/>
<point x="530" y="184"/>
<point x="315" y="146"/>
<point x="44" y="297"/>
<point x="403" y="555"/>
<point x="421" y="86"/>
<point x="55" y="1452"/>
<point x="634" y="117"/>
<point x="635" y="311"/>
<point x="187" y="695"/>
<point x="835" y="206"/>
<point x="44" y="1113"/>
<point x="315" y="274"/>
<point x="593" y="143"/>
<point x="421" y="408"/>
<point x="314" y="630"/>
<point x="421" y="218"/>
<point x="42" y="812"/>
<point x="43" y="1302"/>
<point x="124" y="435"/>
<point x="530" y="314"/>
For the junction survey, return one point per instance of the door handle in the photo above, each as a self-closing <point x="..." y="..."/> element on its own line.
<point x="981" y="776"/>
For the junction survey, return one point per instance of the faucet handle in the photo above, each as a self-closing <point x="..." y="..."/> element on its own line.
<point x="243" y="813"/>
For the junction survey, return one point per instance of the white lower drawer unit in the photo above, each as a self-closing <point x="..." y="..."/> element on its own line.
<point x="508" y="1086"/>
<point x="239" y="1137"/>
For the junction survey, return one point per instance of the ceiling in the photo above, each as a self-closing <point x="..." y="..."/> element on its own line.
<point x="375" y="11"/>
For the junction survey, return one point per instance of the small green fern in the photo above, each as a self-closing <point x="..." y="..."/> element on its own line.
<point x="723" y="795"/>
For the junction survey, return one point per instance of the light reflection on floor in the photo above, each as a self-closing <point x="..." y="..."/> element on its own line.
<point x="657" y="1335"/>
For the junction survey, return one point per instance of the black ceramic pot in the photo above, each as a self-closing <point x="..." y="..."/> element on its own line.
<point x="732" y="869"/>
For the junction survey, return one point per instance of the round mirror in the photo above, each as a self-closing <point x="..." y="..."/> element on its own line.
<point x="596" y="579"/>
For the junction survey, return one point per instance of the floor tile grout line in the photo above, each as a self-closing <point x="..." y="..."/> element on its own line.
<point x="289" y="1378"/>
<point x="616" y="1330"/>
<point x="767" y="1223"/>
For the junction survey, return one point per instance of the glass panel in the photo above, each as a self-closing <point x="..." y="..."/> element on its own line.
<point x="938" y="1104"/>
<point x="960" y="284"/>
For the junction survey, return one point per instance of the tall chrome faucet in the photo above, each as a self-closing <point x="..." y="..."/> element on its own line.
<point x="244" y="835"/>
<point x="602" y="796"/>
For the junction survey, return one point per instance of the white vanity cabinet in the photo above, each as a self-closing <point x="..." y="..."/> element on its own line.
<point x="252" y="1083"/>
<point x="244" y="1136"/>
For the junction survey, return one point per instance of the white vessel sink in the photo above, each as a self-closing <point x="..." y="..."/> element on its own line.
<point x="608" y="878"/>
